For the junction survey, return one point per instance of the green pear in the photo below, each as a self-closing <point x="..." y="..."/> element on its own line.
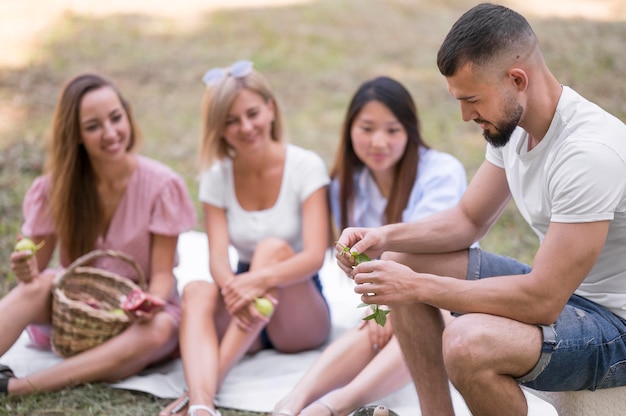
<point x="26" y="244"/>
<point x="264" y="306"/>
<point x="117" y="311"/>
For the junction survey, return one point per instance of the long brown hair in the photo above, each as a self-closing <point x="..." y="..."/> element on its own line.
<point x="74" y="202"/>
<point x="397" y="98"/>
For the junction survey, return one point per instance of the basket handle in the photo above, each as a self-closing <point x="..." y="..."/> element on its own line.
<point x="86" y="258"/>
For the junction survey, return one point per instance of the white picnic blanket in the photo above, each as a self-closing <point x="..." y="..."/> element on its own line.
<point x="256" y="383"/>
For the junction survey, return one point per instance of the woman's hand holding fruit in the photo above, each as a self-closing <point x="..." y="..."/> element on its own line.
<point x="258" y="310"/>
<point x="242" y="290"/>
<point x="23" y="260"/>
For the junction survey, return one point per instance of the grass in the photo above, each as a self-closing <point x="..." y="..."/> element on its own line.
<point x="314" y="53"/>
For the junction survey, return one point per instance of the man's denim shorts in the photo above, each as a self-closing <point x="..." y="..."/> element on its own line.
<point x="585" y="349"/>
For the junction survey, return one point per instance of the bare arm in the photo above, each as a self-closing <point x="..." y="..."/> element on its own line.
<point x="450" y="230"/>
<point x="217" y="232"/>
<point x="315" y="237"/>
<point x="255" y="283"/>
<point x="44" y="254"/>
<point x="564" y="259"/>
<point x="162" y="254"/>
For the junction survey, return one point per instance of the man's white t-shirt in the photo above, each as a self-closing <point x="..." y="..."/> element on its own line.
<point x="304" y="173"/>
<point x="576" y="174"/>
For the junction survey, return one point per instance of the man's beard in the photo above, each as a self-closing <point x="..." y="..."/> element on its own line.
<point x="505" y="129"/>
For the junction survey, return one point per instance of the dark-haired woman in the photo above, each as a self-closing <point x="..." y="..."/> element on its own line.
<point x="383" y="173"/>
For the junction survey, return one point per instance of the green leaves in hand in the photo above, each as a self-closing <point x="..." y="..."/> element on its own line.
<point x="379" y="315"/>
<point x="356" y="257"/>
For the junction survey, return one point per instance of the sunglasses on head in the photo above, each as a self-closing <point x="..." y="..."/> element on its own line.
<point x="239" y="69"/>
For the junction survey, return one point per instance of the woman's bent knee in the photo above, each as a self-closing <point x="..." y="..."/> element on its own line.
<point x="272" y="249"/>
<point x="199" y="293"/>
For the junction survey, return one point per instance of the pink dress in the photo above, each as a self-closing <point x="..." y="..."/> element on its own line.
<point x="156" y="201"/>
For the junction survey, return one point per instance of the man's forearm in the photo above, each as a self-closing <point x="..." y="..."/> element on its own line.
<point x="443" y="232"/>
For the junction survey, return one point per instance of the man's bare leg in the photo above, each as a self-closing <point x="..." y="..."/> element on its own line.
<point x="484" y="354"/>
<point x="419" y="330"/>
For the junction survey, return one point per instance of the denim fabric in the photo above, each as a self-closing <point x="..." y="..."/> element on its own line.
<point x="585" y="349"/>
<point x="590" y="350"/>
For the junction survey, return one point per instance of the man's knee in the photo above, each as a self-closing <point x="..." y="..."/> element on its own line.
<point x="465" y="345"/>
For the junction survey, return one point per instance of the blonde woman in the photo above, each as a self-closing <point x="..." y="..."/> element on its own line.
<point x="268" y="199"/>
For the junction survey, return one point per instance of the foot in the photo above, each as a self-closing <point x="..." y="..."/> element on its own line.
<point x="178" y="407"/>
<point x="195" y="408"/>
<point x="319" y="408"/>
<point x="287" y="407"/>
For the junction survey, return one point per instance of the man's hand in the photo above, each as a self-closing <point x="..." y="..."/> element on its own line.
<point x="386" y="282"/>
<point x="361" y="240"/>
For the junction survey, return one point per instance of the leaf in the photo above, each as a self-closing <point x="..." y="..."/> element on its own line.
<point x="359" y="258"/>
<point x="344" y="249"/>
<point x="380" y="318"/>
<point x="379" y="315"/>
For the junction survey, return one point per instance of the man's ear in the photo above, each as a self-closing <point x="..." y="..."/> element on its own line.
<point x="519" y="78"/>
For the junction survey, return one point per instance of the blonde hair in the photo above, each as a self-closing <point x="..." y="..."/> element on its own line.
<point x="74" y="202"/>
<point x="216" y="104"/>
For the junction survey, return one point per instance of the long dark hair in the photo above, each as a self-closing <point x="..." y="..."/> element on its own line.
<point x="397" y="98"/>
<point x="74" y="204"/>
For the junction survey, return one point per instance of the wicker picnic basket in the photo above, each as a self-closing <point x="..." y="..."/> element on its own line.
<point x="86" y="303"/>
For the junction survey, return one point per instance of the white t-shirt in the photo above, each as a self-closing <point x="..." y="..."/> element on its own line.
<point x="440" y="183"/>
<point x="576" y="174"/>
<point x="304" y="173"/>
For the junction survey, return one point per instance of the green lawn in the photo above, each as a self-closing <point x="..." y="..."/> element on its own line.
<point x="314" y="53"/>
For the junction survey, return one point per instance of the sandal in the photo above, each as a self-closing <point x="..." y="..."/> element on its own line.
<point x="329" y="407"/>
<point x="179" y="405"/>
<point x="194" y="407"/>
<point x="5" y="375"/>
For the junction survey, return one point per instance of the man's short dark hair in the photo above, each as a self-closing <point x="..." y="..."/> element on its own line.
<point x="481" y="35"/>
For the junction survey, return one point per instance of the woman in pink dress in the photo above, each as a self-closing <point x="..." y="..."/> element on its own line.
<point x="97" y="193"/>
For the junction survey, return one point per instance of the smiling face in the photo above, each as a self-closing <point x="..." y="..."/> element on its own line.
<point x="486" y="102"/>
<point x="378" y="138"/>
<point x="249" y="121"/>
<point x="105" y="129"/>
